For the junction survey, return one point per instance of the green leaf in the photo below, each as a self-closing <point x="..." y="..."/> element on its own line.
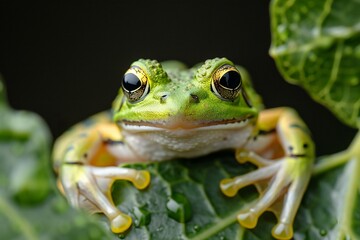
<point x="184" y="201"/>
<point x="316" y="44"/>
<point x="331" y="206"/>
<point x="30" y="207"/>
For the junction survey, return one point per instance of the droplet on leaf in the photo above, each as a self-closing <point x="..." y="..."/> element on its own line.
<point x="178" y="208"/>
<point x="142" y="216"/>
<point x="196" y="228"/>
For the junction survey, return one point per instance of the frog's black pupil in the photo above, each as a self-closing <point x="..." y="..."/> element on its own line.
<point x="131" y="82"/>
<point x="230" y="79"/>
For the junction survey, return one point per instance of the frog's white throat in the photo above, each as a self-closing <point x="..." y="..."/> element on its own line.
<point x="159" y="144"/>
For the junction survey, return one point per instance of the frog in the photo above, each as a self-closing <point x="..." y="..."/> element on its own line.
<point x="165" y="111"/>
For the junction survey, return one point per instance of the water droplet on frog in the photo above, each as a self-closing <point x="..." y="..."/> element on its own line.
<point x="222" y="238"/>
<point x="142" y="216"/>
<point x="159" y="229"/>
<point x="122" y="236"/>
<point x="178" y="208"/>
<point x="323" y="232"/>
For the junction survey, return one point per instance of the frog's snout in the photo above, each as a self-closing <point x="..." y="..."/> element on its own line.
<point x="192" y="98"/>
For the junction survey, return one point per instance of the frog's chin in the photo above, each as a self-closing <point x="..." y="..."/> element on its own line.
<point x="144" y="126"/>
<point x="169" y="140"/>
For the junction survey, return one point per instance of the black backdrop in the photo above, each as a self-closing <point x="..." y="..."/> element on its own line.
<point x="65" y="60"/>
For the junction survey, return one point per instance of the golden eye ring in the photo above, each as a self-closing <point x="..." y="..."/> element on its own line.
<point x="226" y="82"/>
<point x="135" y="84"/>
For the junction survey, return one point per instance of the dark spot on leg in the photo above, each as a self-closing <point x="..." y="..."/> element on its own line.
<point x="291" y="148"/>
<point x="112" y="142"/>
<point x="85" y="155"/>
<point x="305" y="145"/>
<point x="263" y="132"/>
<point x="74" y="163"/>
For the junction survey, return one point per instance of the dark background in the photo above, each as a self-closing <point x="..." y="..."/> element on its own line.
<point x="64" y="61"/>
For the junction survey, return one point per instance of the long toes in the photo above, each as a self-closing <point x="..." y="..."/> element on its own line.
<point x="121" y="223"/>
<point x="228" y="187"/>
<point x="248" y="219"/>
<point x="282" y="231"/>
<point x="142" y="179"/>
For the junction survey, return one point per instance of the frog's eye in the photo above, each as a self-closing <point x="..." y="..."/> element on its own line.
<point x="135" y="84"/>
<point x="226" y="82"/>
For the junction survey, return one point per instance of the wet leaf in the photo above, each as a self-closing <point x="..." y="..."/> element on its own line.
<point x="316" y="44"/>
<point x="330" y="208"/>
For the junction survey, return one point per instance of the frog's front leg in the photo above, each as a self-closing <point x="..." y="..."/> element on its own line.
<point x="87" y="168"/>
<point x="286" y="177"/>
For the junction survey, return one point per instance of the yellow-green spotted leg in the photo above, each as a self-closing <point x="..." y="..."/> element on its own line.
<point x="87" y="169"/>
<point x="287" y="172"/>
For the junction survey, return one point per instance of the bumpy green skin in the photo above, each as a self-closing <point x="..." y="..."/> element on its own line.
<point x="173" y="80"/>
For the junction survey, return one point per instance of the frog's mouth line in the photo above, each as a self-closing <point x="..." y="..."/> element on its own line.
<point x="184" y="125"/>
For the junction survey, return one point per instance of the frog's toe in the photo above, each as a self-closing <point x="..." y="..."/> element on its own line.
<point x="242" y="156"/>
<point x="142" y="179"/>
<point x="228" y="187"/>
<point x="248" y="219"/>
<point x="282" y="231"/>
<point x="120" y="223"/>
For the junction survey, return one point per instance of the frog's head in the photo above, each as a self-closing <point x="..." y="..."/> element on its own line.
<point x="169" y="96"/>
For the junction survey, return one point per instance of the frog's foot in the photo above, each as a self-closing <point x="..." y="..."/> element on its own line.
<point x="88" y="187"/>
<point x="286" y="182"/>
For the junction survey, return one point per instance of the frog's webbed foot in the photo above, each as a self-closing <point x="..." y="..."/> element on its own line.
<point x="285" y="182"/>
<point x="88" y="187"/>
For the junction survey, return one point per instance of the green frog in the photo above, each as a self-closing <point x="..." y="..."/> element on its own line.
<point x="168" y="111"/>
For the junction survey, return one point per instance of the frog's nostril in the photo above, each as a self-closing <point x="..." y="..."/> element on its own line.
<point x="163" y="98"/>
<point x="194" y="98"/>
